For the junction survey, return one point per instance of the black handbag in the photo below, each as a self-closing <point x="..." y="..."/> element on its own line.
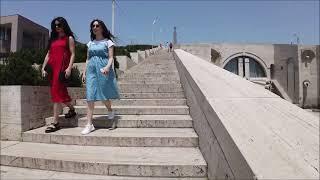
<point x="48" y="69"/>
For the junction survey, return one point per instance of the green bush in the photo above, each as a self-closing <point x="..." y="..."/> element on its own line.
<point x="75" y="78"/>
<point x="18" y="70"/>
<point x="81" y="52"/>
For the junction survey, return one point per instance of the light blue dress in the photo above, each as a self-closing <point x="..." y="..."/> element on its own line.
<point x="100" y="87"/>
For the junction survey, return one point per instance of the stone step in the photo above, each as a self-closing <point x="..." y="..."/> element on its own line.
<point x="158" y="78"/>
<point x="129" y="121"/>
<point x="145" y="73"/>
<point x="150" y="74"/>
<point x="16" y="173"/>
<point x="155" y="67"/>
<point x="122" y="137"/>
<point x="149" y="81"/>
<point x="159" y="61"/>
<point x="134" y="110"/>
<point x="150" y="69"/>
<point x="151" y="95"/>
<point x="138" y="102"/>
<point x="100" y="160"/>
<point x="133" y="88"/>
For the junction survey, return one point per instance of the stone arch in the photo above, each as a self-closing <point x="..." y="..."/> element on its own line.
<point x="256" y="58"/>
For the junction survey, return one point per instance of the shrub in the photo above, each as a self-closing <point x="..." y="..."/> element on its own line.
<point x="18" y="70"/>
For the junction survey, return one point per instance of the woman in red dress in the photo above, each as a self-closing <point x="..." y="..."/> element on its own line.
<point x="59" y="58"/>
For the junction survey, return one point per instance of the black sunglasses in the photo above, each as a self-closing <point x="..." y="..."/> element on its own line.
<point x="58" y="25"/>
<point x="95" y="25"/>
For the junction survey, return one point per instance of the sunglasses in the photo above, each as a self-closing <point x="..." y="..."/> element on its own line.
<point x="58" y="25"/>
<point x="95" y="25"/>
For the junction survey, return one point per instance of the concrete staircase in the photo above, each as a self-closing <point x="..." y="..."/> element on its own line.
<point x="154" y="138"/>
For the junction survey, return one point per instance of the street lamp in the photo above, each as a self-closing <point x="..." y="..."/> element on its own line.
<point x="153" y="23"/>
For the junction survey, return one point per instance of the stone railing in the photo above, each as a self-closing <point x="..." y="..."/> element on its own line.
<point x="245" y="131"/>
<point x="125" y="62"/>
<point x="26" y="107"/>
<point x="23" y="108"/>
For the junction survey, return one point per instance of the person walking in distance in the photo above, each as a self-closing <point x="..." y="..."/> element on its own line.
<point x="170" y="47"/>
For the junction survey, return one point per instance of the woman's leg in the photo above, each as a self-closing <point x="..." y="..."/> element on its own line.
<point x="107" y="103"/>
<point x="56" y="112"/>
<point x="71" y="113"/>
<point x="110" y="114"/>
<point x="55" y="125"/>
<point x="89" y="127"/>
<point x="90" y="109"/>
<point x="71" y="107"/>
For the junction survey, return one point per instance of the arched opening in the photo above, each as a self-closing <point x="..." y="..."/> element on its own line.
<point x="232" y="66"/>
<point x="256" y="70"/>
<point x="245" y="66"/>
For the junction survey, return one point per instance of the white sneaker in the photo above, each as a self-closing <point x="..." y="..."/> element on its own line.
<point x="89" y="128"/>
<point x="110" y="115"/>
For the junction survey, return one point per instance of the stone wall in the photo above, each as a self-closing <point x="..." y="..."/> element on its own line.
<point x="135" y="57"/>
<point x="142" y="54"/>
<point x="309" y="71"/>
<point x="125" y="63"/>
<point x="263" y="53"/>
<point x="286" y="69"/>
<point x="245" y="131"/>
<point x="23" y="108"/>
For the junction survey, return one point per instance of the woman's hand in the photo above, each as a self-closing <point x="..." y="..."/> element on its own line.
<point x="105" y="70"/>
<point x="68" y="72"/>
<point x="44" y="73"/>
<point x="84" y="77"/>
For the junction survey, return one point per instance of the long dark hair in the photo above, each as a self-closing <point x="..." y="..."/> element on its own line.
<point x="64" y="25"/>
<point x="105" y="33"/>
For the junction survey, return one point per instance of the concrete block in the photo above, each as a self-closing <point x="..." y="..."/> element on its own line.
<point x="138" y="102"/>
<point x="135" y="110"/>
<point x="122" y="161"/>
<point x="120" y="137"/>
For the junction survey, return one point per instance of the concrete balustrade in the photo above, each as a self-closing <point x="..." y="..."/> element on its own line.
<point x="245" y="131"/>
<point x="142" y="54"/>
<point x="26" y="107"/>
<point x="124" y="61"/>
<point x="23" y="108"/>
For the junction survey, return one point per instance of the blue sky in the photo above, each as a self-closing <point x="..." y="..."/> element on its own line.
<point x="251" y="21"/>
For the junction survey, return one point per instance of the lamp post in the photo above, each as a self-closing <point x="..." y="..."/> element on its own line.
<point x="113" y="8"/>
<point x="153" y="23"/>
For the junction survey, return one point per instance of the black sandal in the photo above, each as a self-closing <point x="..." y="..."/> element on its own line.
<point x="52" y="128"/>
<point x="70" y="114"/>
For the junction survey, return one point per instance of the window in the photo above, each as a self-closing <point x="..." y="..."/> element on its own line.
<point x="254" y="68"/>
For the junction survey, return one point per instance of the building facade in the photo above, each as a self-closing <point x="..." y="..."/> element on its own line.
<point x="293" y="70"/>
<point x="18" y="32"/>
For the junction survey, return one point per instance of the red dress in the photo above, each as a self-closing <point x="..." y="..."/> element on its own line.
<point x="59" y="92"/>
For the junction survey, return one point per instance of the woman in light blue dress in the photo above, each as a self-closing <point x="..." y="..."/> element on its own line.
<point x="99" y="74"/>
